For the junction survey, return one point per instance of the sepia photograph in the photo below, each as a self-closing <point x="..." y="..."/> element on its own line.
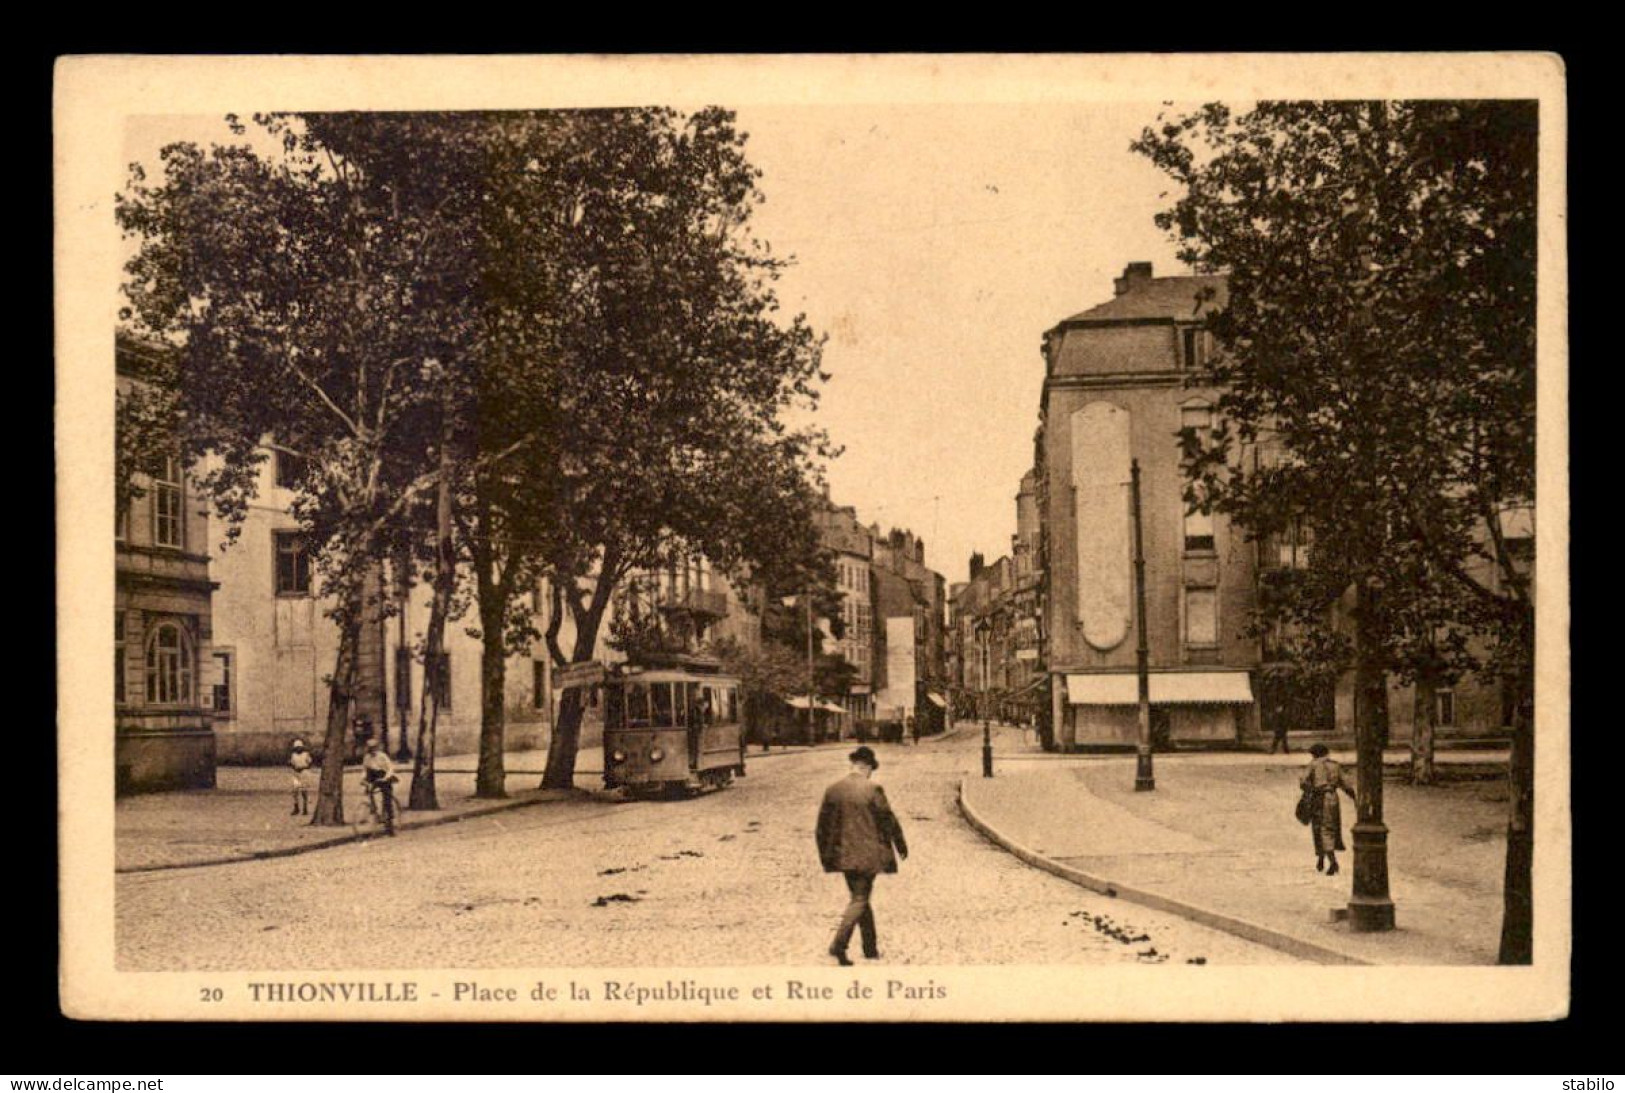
<point x="813" y="538"/>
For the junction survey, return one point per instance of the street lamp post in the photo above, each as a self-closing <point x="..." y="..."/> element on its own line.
<point x="1144" y="776"/>
<point x="987" y="749"/>
<point x="1371" y="908"/>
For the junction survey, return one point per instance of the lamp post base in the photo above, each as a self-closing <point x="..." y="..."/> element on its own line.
<point x="1371" y="910"/>
<point x="1370" y="916"/>
<point x="1144" y="778"/>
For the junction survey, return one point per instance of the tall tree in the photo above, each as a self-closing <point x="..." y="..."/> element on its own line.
<point x="301" y="305"/>
<point x="1380" y="334"/>
<point x="673" y="371"/>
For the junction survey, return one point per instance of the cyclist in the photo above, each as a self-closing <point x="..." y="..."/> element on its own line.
<point x="379" y="778"/>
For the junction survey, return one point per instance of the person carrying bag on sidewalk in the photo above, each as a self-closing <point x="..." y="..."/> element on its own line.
<point x="1320" y="784"/>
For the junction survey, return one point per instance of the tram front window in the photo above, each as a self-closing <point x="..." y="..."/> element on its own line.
<point x="637" y="705"/>
<point x="614" y="708"/>
<point x="661" y="693"/>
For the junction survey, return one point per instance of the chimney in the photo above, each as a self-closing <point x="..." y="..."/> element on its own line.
<point x="1134" y="273"/>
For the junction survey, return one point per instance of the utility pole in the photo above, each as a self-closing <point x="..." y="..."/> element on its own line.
<point x="1144" y="776"/>
<point x="403" y="656"/>
<point x="810" y="721"/>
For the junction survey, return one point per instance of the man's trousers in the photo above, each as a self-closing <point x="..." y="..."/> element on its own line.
<point x="858" y="914"/>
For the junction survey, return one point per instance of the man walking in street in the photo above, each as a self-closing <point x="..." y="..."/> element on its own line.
<point x="857" y="832"/>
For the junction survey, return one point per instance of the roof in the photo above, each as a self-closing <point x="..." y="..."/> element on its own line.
<point x="1158" y="298"/>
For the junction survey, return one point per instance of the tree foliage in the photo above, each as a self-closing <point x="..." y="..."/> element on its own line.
<point x="1377" y="368"/>
<point x="675" y="371"/>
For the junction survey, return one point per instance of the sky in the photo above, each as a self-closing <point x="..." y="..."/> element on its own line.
<point x="934" y="245"/>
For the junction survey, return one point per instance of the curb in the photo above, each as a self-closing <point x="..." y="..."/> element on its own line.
<point x="354" y="836"/>
<point x="1250" y="931"/>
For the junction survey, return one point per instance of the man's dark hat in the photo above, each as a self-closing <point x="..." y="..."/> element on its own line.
<point x="864" y="755"/>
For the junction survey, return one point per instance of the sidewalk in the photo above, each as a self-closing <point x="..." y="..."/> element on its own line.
<point x="247" y="815"/>
<point x="1217" y="841"/>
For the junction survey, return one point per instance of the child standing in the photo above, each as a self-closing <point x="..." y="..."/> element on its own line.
<point x="299" y="762"/>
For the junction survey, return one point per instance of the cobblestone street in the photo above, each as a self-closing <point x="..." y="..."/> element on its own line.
<point x="730" y="878"/>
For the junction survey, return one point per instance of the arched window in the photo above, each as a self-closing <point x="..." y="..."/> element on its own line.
<point x="169" y="666"/>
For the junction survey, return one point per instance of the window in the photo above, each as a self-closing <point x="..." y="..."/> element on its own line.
<point x="1194" y="343"/>
<point x="1198" y="419"/>
<point x="661" y="693"/>
<point x="118" y="659"/>
<point x="290" y="470"/>
<point x="637" y="705"/>
<point x="121" y="523"/>
<point x="223" y="682"/>
<point x="1198" y="532"/>
<point x="1444" y="708"/>
<point x="1201" y="616"/>
<point x="292" y="564"/>
<point x="167" y="522"/>
<point x="169" y="666"/>
<point x="1295" y="548"/>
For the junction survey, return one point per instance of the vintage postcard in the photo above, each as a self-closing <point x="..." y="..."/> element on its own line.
<point x="811" y="538"/>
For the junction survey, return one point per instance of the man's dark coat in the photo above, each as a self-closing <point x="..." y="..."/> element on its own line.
<point x="857" y="830"/>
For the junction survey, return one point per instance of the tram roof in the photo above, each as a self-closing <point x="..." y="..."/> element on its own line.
<point x="673" y="675"/>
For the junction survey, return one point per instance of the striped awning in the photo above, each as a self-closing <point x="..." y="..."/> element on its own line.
<point x="1167" y="688"/>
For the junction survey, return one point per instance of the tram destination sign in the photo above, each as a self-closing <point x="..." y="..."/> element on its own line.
<point x="584" y="674"/>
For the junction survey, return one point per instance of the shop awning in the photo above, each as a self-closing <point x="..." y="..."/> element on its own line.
<point x="1167" y="688"/>
<point x="800" y="702"/>
<point x="832" y="708"/>
<point x="937" y="700"/>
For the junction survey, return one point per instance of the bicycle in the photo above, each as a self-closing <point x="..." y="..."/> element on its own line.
<point x="385" y="788"/>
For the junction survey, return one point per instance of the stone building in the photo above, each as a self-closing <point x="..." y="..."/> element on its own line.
<point x="996" y="624"/>
<point x="1121" y="381"/>
<point x="274" y="634"/>
<point x="911" y="675"/>
<point x="1115" y="390"/>
<point x="854" y="549"/>
<point x="170" y="681"/>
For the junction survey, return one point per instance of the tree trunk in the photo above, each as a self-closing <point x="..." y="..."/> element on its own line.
<point x="1423" y="720"/>
<point x="1518" y="911"/>
<point x="490" y="778"/>
<point x="561" y="749"/>
<point x="330" y="790"/>
<point x="445" y="578"/>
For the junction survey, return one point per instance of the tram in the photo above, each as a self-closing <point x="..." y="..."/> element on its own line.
<point x="672" y="725"/>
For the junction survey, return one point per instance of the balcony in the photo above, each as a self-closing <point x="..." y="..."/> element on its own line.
<point x="696" y="602"/>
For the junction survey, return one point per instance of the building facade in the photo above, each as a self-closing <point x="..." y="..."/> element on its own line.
<point x="168" y="676"/>
<point x="996" y="625"/>
<point x="853" y="546"/>
<point x="1122" y="381"/>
